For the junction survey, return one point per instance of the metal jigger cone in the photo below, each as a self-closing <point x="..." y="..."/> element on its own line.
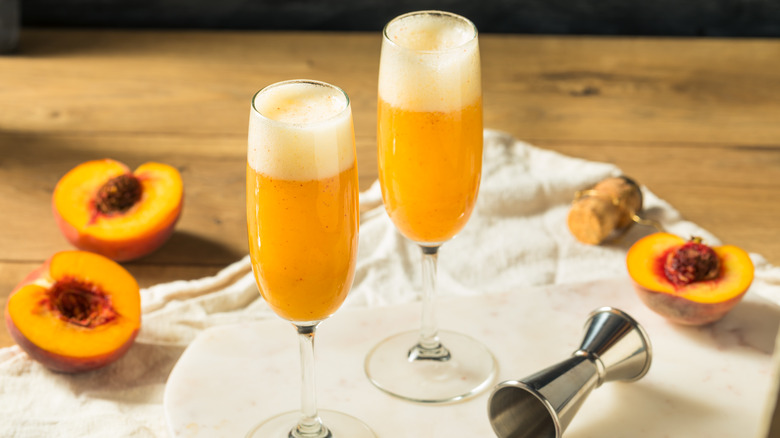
<point x="614" y="347"/>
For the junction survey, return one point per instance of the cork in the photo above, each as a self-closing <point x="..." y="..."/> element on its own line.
<point x="609" y="206"/>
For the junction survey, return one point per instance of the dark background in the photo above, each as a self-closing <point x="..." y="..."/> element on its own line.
<point x="734" y="18"/>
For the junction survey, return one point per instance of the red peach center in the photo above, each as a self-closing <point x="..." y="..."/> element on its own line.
<point x="80" y="303"/>
<point x="118" y="194"/>
<point x="690" y="263"/>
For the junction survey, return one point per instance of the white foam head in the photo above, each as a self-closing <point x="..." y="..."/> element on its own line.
<point x="430" y="62"/>
<point x="301" y="130"/>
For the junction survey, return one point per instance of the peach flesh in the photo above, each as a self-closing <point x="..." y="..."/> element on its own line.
<point x="79" y="321"/>
<point x="688" y="282"/>
<point x="102" y="207"/>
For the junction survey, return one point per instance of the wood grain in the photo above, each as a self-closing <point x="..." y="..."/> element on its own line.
<point x="695" y="120"/>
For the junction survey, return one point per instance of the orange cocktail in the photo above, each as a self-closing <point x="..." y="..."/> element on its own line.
<point x="429" y="127"/>
<point x="303" y="238"/>
<point x="302" y="202"/>
<point x="430" y="167"/>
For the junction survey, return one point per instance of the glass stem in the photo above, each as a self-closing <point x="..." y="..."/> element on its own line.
<point x="310" y="425"/>
<point x="429" y="347"/>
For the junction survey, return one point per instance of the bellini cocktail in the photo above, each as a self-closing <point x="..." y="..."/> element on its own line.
<point x="302" y="220"/>
<point x="429" y="126"/>
<point x="430" y="163"/>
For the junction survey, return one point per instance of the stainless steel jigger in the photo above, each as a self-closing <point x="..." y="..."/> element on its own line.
<point x="614" y="347"/>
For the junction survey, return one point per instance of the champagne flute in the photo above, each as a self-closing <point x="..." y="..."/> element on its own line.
<point x="430" y="164"/>
<point x="302" y="220"/>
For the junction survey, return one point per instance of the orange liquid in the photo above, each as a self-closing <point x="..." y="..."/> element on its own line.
<point x="303" y="239"/>
<point x="429" y="169"/>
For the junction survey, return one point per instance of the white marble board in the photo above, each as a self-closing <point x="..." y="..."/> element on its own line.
<point x="707" y="381"/>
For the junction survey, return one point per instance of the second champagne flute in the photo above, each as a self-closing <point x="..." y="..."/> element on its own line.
<point x="430" y="164"/>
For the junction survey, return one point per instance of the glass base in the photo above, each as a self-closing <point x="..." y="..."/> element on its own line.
<point x="470" y="369"/>
<point x="339" y="425"/>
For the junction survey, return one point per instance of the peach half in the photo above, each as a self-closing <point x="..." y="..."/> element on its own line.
<point x="101" y="206"/>
<point x="688" y="282"/>
<point x="77" y="312"/>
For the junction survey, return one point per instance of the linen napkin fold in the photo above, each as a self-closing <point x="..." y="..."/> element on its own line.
<point x="517" y="238"/>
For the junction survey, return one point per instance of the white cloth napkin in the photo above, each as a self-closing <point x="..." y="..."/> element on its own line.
<point x="516" y="238"/>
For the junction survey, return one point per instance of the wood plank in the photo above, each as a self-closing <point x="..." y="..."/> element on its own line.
<point x="707" y="91"/>
<point x="626" y="89"/>
<point x="164" y="82"/>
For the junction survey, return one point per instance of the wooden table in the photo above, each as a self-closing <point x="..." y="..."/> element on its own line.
<point x="696" y="120"/>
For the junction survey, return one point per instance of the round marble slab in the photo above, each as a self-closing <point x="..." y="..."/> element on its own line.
<point x="706" y="381"/>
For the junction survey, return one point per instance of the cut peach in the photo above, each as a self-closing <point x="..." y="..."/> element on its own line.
<point x="688" y="282"/>
<point x="77" y="312"/>
<point x="101" y="206"/>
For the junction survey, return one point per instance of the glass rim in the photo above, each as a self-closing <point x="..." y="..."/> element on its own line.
<point x="452" y="15"/>
<point x="256" y="111"/>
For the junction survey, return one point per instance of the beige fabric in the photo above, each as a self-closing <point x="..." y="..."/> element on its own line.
<point x="516" y="238"/>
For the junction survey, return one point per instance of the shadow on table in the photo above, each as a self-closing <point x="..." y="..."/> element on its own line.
<point x="192" y="249"/>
